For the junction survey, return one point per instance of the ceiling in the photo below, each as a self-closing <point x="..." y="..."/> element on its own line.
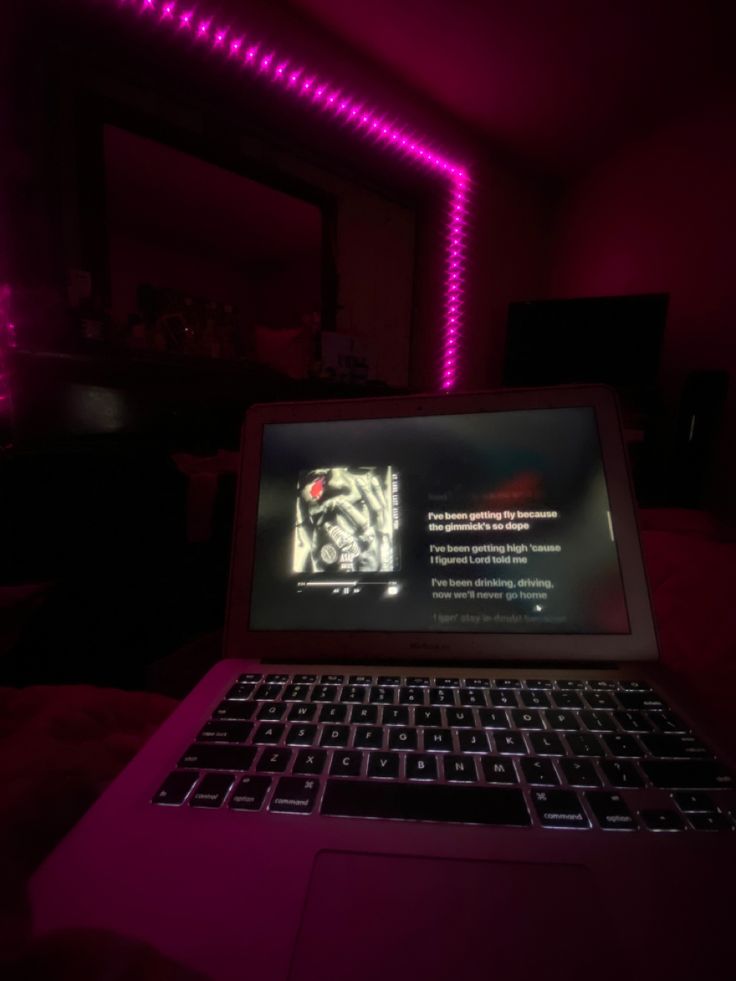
<point x="556" y="84"/>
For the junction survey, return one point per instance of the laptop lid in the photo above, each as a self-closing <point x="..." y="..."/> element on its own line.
<point x="480" y="527"/>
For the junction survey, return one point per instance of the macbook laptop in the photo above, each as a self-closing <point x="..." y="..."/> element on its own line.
<point x="439" y="744"/>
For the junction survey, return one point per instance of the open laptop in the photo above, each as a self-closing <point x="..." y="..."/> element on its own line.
<point x="439" y="745"/>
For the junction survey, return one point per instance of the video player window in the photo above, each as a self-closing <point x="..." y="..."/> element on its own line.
<point x="495" y="522"/>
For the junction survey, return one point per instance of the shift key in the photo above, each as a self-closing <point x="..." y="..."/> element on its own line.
<point x="212" y="757"/>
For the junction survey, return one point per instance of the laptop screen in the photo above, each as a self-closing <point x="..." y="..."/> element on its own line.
<point x="486" y="522"/>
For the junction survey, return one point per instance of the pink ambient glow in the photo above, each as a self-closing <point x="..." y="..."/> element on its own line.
<point x="391" y="134"/>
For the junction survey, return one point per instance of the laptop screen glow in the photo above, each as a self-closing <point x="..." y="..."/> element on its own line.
<point x="492" y="522"/>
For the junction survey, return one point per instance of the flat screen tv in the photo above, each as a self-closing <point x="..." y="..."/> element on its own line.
<point x="613" y="340"/>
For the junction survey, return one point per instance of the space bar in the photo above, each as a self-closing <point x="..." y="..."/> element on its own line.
<point x="425" y="802"/>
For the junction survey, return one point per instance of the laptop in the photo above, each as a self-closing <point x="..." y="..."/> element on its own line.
<point x="438" y="744"/>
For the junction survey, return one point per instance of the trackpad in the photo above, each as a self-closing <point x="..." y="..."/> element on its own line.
<point x="399" y="917"/>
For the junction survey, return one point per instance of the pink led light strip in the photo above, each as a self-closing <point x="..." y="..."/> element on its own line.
<point x="317" y="92"/>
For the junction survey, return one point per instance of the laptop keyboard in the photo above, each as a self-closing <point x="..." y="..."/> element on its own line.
<point x="553" y="754"/>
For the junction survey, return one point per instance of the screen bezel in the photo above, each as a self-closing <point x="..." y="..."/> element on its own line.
<point x="303" y="646"/>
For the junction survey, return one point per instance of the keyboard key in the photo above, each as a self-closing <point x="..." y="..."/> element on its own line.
<point x="672" y="746"/>
<point x="427" y="717"/>
<point x="460" y="717"/>
<point x="368" y="737"/>
<point x="619" y="773"/>
<point x="509" y="742"/>
<point x="472" y="741"/>
<point x="546" y="744"/>
<point x="539" y="683"/>
<point x="472" y="697"/>
<point x="580" y="773"/>
<point x="354" y="693"/>
<point x="381" y="695"/>
<point x="447" y="682"/>
<point x="570" y="684"/>
<point x="499" y="769"/>
<point x="598" y="721"/>
<point x="240" y="691"/>
<point x="402" y="738"/>
<point x="269" y="732"/>
<point x="559" y="809"/>
<point x="583" y="744"/>
<point x="364" y="715"/>
<point x="332" y="679"/>
<point x="267" y="693"/>
<point x="421" y="766"/>
<point x="640" y="701"/>
<point x="210" y="757"/>
<point x="526" y="719"/>
<point x="437" y="741"/>
<point x="567" y="700"/>
<point x="295" y="693"/>
<point x="600" y="685"/>
<point x="361" y="679"/>
<point x="396" y="715"/>
<point x="324" y="693"/>
<point x="508" y="683"/>
<point x="539" y="773"/>
<point x="250" y="677"/>
<point x="225" y="732"/>
<point x="460" y="769"/>
<point x="271" y="711"/>
<point x="411" y="696"/>
<point x="383" y="765"/>
<point x="687" y="774"/>
<point x="503" y="699"/>
<point x="301" y="735"/>
<point x="426" y="802"/>
<point x="274" y="760"/>
<point x="668" y="722"/>
<point x="493" y="719"/>
<point x="418" y="682"/>
<point x="600" y="700"/>
<point x="534" y="699"/>
<point x="622" y="744"/>
<point x="333" y="713"/>
<point x="390" y="680"/>
<point x="294" y="795"/>
<point x="441" y="696"/>
<point x="695" y="803"/>
<point x="562" y="721"/>
<point x="477" y="683"/>
<point x="662" y="820"/>
<point x="310" y="761"/>
<point x="610" y="811"/>
<point x="632" y="721"/>
<point x="250" y="793"/>
<point x="234" y="710"/>
<point x="346" y="764"/>
<point x="335" y="736"/>
<point x="302" y="712"/>
<point x="305" y="679"/>
<point x="277" y="679"/>
<point x="212" y="791"/>
<point x="175" y="787"/>
<point x="634" y="686"/>
<point x="710" y="822"/>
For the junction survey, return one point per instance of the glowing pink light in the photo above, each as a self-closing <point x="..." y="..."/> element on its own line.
<point x="417" y="151"/>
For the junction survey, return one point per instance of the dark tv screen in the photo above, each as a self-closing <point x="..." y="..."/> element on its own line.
<point x="613" y="340"/>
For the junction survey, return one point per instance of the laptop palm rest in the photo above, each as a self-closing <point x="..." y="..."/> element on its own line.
<point x="397" y="917"/>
